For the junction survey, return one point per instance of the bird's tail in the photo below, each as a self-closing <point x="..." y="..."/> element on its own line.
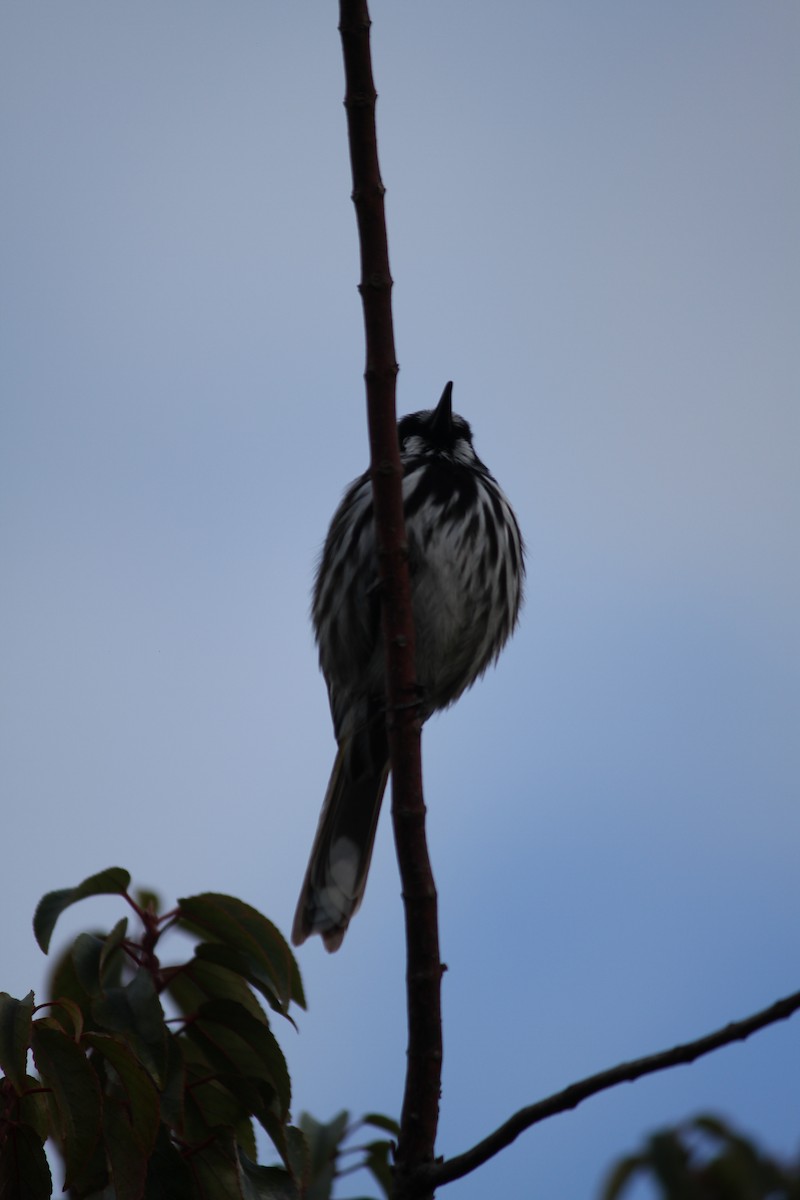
<point x="337" y="870"/>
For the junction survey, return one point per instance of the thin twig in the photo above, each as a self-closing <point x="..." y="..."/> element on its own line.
<point x="446" y="1170"/>
<point x="420" y="1112"/>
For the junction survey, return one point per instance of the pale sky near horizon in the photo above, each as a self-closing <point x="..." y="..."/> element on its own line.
<point x="593" y="223"/>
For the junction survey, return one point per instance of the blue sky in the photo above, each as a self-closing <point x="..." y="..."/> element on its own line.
<point x="593" y="231"/>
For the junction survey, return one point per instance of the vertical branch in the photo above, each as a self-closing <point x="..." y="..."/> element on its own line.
<point x="420" y="1111"/>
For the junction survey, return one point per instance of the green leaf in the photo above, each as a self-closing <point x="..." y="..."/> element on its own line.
<point x="621" y="1175"/>
<point x="378" y="1161"/>
<point x="87" y="954"/>
<point x="214" y="1167"/>
<point x="111" y="944"/>
<point x="168" y="1177"/>
<point x="266" y="1183"/>
<point x="298" y="1156"/>
<point x="62" y="1008"/>
<point x="199" y="981"/>
<point x="712" y="1126"/>
<point x="24" y="1172"/>
<point x="148" y="900"/>
<point x="669" y="1160"/>
<point x="172" y="1091"/>
<point x="135" y="1012"/>
<point x="140" y="1091"/>
<point x="247" y="967"/>
<point x="37" y="1109"/>
<point x="324" y="1142"/>
<point x="63" y="983"/>
<point x="127" y="1158"/>
<point x="15" y="1035"/>
<point x="243" y="928"/>
<point x="63" y="1067"/>
<point x="253" y="1046"/>
<point x="246" y="1138"/>
<point x="282" y="1139"/>
<point x="379" y="1121"/>
<point x="209" y="1102"/>
<point x="113" y="881"/>
<point x="218" y="1085"/>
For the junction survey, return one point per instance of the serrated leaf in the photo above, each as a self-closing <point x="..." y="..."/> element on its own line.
<point x="135" y="1012"/>
<point x="168" y="1177"/>
<point x="242" y="927"/>
<point x="112" y="881"/>
<point x="324" y="1142"/>
<point x="199" y="981"/>
<point x="16" y="1017"/>
<point x="50" y="1022"/>
<point x="214" y="1167"/>
<point x="246" y="1138"/>
<point x="218" y="1085"/>
<point x="64" y="983"/>
<point x="246" y="967"/>
<point x="37" y="1109"/>
<point x="172" y="1091"/>
<point x="63" y="1067"/>
<point x="298" y="1156"/>
<point x="87" y="953"/>
<point x="112" y="943"/>
<point x="24" y="1170"/>
<point x="210" y="1103"/>
<point x="64" y="1007"/>
<point x="279" y="1132"/>
<point x="92" y="1183"/>
<point x="260" y="1056"/>
<point x="293" y="1150"/>
<point x="266" y="1183"/>
<point x="378" y="1161"/>
<point x="140" y="1091"/>
<point x="127" y="1158"/>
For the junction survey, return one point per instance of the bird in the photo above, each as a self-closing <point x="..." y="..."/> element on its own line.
<point x="466" y="560"/>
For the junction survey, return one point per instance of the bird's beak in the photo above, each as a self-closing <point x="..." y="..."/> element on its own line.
<point x="443" y="415"/>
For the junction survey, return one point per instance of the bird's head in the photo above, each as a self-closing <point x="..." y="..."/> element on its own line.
<point x="437" y="433"/>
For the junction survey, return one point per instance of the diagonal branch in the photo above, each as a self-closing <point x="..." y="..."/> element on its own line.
<point x="420" y="1111"/>
<point x="446" y="1170"/>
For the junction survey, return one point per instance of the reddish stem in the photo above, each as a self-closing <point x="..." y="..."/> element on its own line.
<point x="420" y="1113"/>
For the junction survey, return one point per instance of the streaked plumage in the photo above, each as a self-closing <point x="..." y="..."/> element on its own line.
<point x="467" y="570"/>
